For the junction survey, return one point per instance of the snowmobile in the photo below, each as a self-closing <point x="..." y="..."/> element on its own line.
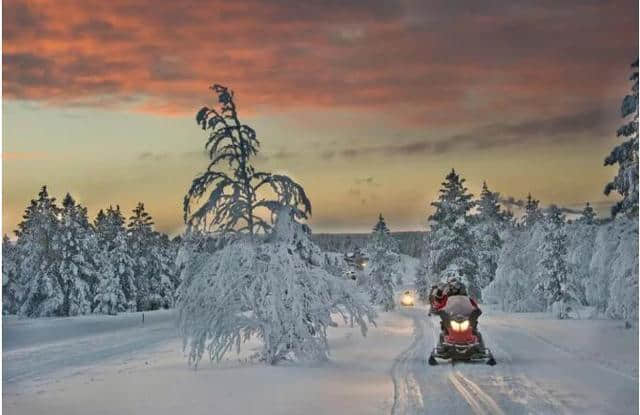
<point x="407" y="299"/>
<point x="460" y="341"/>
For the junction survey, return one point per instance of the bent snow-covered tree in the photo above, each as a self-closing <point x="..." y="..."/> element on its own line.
<point x="231" y="200"/>
<point x="625" y="155"/>
<point x="276" y="290"/>
<point x="268" y="280"/>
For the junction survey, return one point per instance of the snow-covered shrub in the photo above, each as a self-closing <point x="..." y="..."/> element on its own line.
<point x="275" y="289"/>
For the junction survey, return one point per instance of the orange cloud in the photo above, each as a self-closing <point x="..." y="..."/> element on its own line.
<point x="427" y="61"/>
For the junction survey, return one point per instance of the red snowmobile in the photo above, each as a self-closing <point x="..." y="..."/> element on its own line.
<point x="459" y="340"/>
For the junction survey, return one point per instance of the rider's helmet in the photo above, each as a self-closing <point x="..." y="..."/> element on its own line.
<point x="455" y="287"/>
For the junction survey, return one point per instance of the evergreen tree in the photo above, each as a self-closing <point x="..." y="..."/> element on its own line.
<point x="277" y="291"/>
<point x="109" y="225"/>
<point x="625" y="155"/>
<point x="116" y="289"/>
<point x="449" y="244"/>
<point x="267" y="280"/>
<point x="382" y="268"/>
<point x="77" y="249"/>
<point x="588" y="216"/>
<point x="151" y="282"/>
<point x="381" y="226"/>
<point x="554" y="282"/>
<point x="109" y="297"/>
<point x="532" y="212"/>
<point x="554" y="216"/>
<point x="233" y="202"/>
<point x="489" y="221"/>
<point x="10" y="287"/>
<point x="454" y="201"/>
<point x="43" y="291"/>
<point x="489" y="206"/>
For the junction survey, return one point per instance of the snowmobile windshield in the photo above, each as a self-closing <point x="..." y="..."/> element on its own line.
<point x="459" y="305"/>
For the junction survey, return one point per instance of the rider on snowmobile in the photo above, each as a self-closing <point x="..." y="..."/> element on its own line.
<point x="438" y="300"/>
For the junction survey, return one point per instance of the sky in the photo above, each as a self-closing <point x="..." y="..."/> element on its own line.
<point x="367" y="104"/>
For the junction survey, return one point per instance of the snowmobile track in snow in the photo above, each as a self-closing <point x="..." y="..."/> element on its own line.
<point x="481" y="403"/>
<point x="412" y="377"/>
<point x="407" y="396"/>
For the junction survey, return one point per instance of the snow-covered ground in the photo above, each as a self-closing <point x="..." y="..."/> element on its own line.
<point x="114" y="365"/>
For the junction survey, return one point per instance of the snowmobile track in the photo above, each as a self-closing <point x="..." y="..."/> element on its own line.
<point x="481" y="403"/>
<point x="407" y="396"/>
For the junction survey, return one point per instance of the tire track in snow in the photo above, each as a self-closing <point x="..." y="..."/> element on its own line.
<point x="407" y="397"/>
<point x="481" y="399"/>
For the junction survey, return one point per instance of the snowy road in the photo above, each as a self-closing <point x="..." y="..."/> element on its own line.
<point x="114" y="365"/>
<point x="534" y="374"/>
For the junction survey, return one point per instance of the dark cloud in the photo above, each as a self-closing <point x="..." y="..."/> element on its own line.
<point x="571" y="128"/>
<point x="100" y="30"/>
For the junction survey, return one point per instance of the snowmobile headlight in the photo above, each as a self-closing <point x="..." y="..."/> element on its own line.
<point x="407" y="299"/>
<point x="460" y="326"/>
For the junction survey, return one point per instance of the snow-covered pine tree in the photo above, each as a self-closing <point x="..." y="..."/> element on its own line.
<point x="10" y="287"/>
<point x="487" y="224"/>
<point x="235" y="202"/>
<point x="588" y="216"/>
<point x="449" y="243"/>
<point x="625" y="155"/>
<point x="166" y="285"/>
<point x="35" y="246"/>
<point x="275" y="290"/>
<point x="554" y="216"/>
<point x="532" y="212"/>
<point x="381" y="226"/>
<point x="266" y="281"/>
<point x="382" y="267"/>
<point x="152" y="284"/>
<point x="553" y="280"/>
<point x="489" y="206"/>
<point x="77" y="249"/>
<point x="116" y="290"/>
<point x="109" y="298"/>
